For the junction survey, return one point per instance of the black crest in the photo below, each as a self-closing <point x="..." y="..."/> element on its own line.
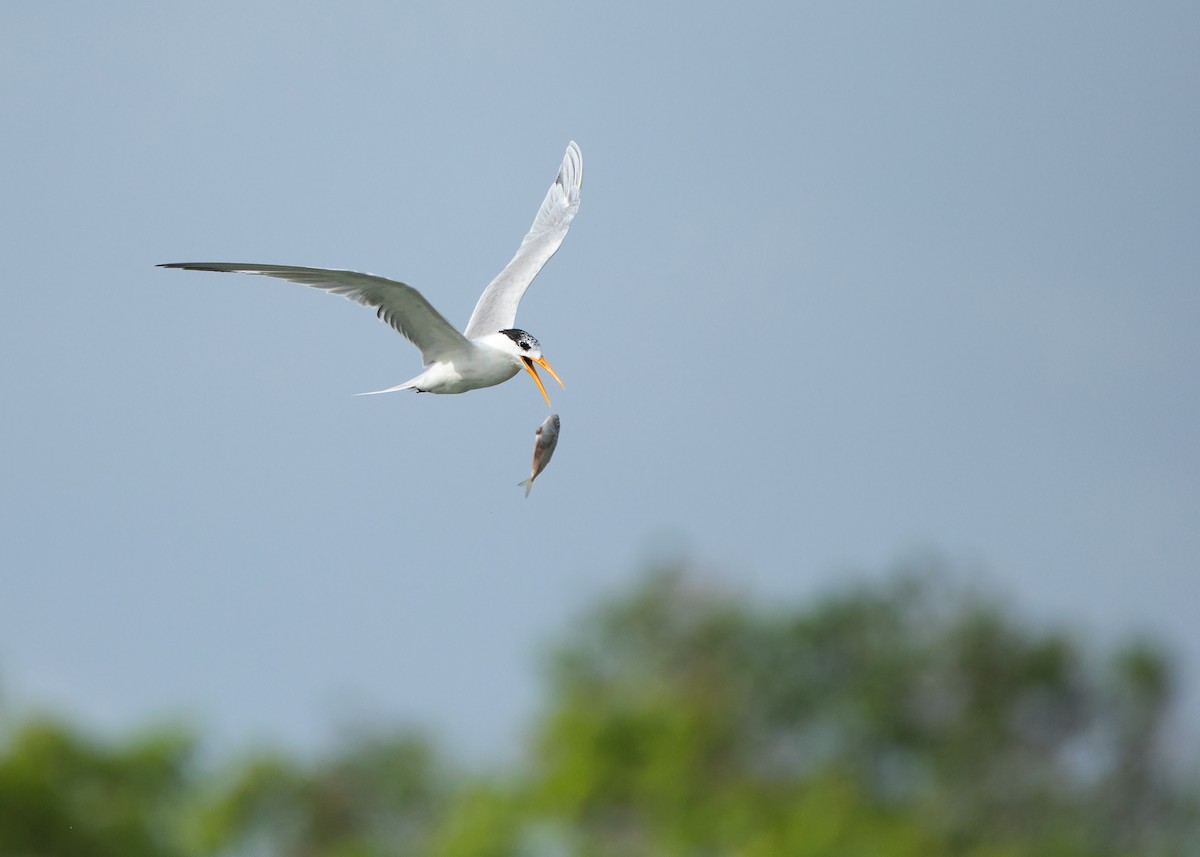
<point x="523" y="340"/>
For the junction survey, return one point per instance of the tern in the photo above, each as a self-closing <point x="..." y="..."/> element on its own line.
<point x="490" y="350"/>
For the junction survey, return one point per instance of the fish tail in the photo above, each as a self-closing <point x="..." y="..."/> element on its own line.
<point x="528" y="483"/>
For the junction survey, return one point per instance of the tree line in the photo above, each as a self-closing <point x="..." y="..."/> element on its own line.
<point x="909" y="716"/>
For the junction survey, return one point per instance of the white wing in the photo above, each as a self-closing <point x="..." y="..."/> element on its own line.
<point x="400" y="305"/>
<point x="497" y="307"/>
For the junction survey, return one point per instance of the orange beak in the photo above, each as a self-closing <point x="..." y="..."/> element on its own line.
<point x="541" y="361"/>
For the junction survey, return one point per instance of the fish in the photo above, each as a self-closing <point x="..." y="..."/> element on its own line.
<point x="543" y="448"/>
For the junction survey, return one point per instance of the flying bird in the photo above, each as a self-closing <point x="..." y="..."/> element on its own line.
<point x="491" y="349"/>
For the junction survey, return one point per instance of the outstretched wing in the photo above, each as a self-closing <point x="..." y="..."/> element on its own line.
<point x="497" y="307"/>
<point x="400" y="305"/>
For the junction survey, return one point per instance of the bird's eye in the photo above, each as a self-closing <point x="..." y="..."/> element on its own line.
<point x="524" y="346"/>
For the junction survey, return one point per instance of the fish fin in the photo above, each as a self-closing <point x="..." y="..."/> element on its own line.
<point x="528" y="483"/>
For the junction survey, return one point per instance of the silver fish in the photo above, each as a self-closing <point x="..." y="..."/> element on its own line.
<point x="543" y="449"/>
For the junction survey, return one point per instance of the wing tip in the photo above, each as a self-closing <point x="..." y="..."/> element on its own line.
<point x="219" y="267"/>
<point x="570" y="174"/>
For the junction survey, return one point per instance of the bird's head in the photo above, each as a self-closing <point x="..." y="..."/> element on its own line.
<point x="528" y="351"/>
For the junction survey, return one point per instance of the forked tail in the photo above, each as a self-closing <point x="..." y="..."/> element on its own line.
<point x="407" y="385"/>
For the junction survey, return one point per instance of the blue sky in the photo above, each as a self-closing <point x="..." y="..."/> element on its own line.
<point x="849" y="283"/>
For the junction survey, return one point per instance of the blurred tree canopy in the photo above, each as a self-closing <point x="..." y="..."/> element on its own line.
<point x="909" y="717"/>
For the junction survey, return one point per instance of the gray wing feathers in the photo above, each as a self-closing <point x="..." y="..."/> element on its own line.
<point x="497" y="306"/>
<point x="397" y="304"/>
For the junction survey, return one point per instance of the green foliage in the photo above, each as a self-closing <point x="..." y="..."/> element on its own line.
<point x="62" y="795"/>
<point x="912" y="717"/>
<point x="381" y="796"/>
<point x="686" y="721"/>
<point x="484" y="820"/>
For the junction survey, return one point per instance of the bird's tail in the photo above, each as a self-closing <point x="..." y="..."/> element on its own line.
<point x="407" y="385"/>
<point x="528" y="483"/>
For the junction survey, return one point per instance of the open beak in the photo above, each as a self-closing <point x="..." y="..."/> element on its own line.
<point x="541" y="361"/>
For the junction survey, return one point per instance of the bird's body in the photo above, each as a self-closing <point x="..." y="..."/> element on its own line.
<point x="483" y="362"/>
<point x="490" y="350"/>
<point x="480" y="365"/>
